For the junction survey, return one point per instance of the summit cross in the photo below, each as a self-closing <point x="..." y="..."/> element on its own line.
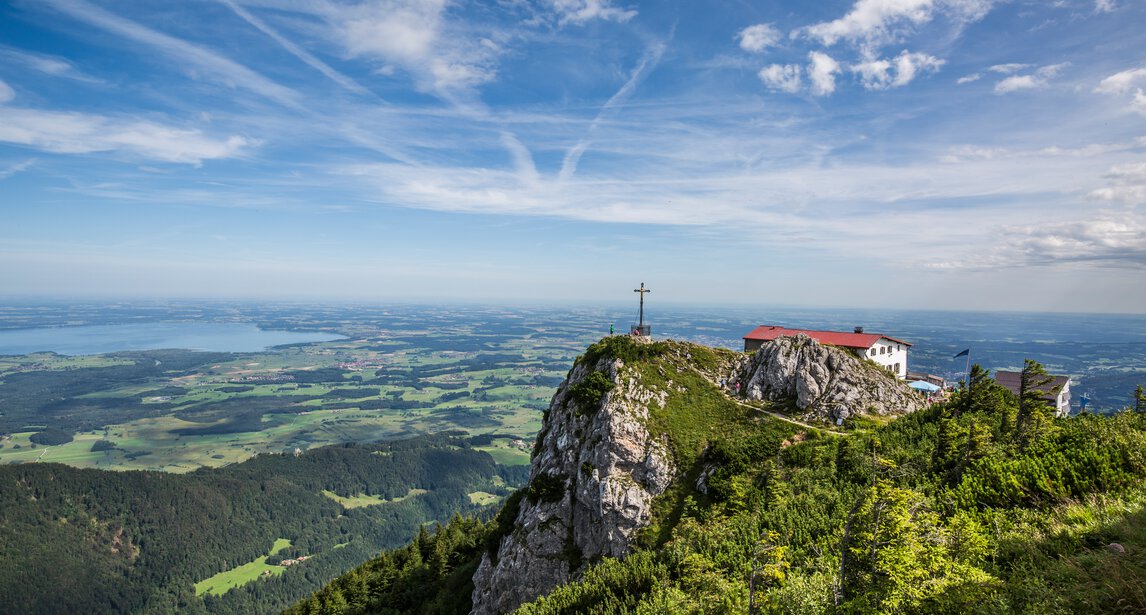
<point x="642" y="290"/>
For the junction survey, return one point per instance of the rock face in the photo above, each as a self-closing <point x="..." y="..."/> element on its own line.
<point x="596" y="470"/>
<point x="827" y="382"/>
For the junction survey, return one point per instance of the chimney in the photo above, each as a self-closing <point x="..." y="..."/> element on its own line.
<point x="859" y="329"/>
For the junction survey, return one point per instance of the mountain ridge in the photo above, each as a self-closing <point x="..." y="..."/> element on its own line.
<point x="959" y="507"/>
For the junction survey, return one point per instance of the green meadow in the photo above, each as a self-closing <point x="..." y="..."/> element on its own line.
<point x="223" y="582"/>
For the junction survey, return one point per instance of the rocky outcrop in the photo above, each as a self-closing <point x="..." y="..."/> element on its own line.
<point x="826" y="382"/>
<point x="596" y="470"/>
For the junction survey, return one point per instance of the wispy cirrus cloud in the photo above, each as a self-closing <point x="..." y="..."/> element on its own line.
<point x="647" y="64"/>
<point x="222" y="70"/>
<point x="83" y="133"/>
<point x="19" y="167"/>
<point x="46" y="64"/>
<point x="298" y="52"/>
<point x="6" y="92"/>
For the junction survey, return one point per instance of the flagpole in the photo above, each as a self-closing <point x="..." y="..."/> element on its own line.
<point x="967" y="371"/>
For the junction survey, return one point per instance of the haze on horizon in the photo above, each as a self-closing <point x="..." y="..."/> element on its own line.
<point x="933" y="154"/>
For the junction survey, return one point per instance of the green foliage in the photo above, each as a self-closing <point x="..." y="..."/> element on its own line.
<point x="966" y="507"/>
<point x="546" y="488"/>
<point x="622" y="347"/>
<point x="89" y="541"/>
<point x="431" y="575"/>
<point x="587" y="394"/>
<point x="51" y="437"/>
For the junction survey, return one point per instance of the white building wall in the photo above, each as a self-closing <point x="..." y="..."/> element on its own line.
<point x="889" y="355"/>
<point x="1062" y="404"/>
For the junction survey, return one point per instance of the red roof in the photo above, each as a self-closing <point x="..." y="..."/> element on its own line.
<point x="835" y="338"/>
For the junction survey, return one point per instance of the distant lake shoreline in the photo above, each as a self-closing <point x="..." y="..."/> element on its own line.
<point x="101" y="339"/>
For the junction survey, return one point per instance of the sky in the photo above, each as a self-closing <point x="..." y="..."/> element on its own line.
<point x="921" y="154"/>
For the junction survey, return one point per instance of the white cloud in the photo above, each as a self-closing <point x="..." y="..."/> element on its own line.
<point x="822" y="73"/>
<point x="1039" y="79"/>
<point x="909" y="65"/>
<point x="1138" y="105"/>
<point x="581" y="11"/>
<point x="1107" y="241"/>
<point x="19" y="167"/>
<point x="1017" y="83"/>
<point x="758" y="37"/>
<point x="1104" y="6"/>
<point x="81" y="133"/>
<point x="1008" y="69"/>
<point x="6" y="92"/>
<point x="1125" y="183"/>
<point x="648" y="63"/>
<point x="224" y="70"/>
<point x="49" y="65"/>
<point x="1121" y="83"/>
<point x="298" y="52"/>
<point x="1126" y="82"/>
<point x="878" y="74"/>
<point x="968" y="79"/>
<point x="415" y="36"/>
<point x="782" y="77"/>
<point x="872" y="21"/>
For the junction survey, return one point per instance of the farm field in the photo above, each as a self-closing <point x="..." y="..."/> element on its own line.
<point x="394" y="375"/>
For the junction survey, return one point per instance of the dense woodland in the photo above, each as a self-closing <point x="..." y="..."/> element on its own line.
<point x="983" y="504"/>
<point x="92" y="541"/>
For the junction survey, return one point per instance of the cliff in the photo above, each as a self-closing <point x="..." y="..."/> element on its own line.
<point x="611" y="443"/>
<point x="596" y="469"/>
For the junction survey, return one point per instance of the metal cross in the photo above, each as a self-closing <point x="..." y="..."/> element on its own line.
<point x="642" y="290"/>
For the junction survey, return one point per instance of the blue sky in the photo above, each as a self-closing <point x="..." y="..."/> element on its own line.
<point x="965" y="154"/>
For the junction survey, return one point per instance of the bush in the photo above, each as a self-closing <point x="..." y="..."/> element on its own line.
<point x="587" y="394"/>
<point x="546" y="488"/>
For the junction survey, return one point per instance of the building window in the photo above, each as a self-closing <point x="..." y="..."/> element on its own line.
<point x="873" y="352"/>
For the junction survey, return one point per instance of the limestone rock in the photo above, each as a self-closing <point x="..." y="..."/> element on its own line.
<point x="608" y="469"/>
<point x="826" y="382"/>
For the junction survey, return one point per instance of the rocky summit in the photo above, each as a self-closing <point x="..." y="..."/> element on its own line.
<point x="597" y="465"/>
<point x="825" y="382"/>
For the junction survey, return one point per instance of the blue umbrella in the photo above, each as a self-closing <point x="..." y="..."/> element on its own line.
<point x="922" y="385"/>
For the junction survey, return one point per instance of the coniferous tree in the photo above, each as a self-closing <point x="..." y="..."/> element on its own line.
<point x="1034" y="411"/>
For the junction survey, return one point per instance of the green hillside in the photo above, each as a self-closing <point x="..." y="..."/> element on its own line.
<point x="215" y="540"/>
<point x="985" y="503"/>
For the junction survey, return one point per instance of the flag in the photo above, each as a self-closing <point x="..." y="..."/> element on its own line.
<point x="962" y="354"/>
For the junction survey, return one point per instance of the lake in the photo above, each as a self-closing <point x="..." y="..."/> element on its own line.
<point x="98" y="339"/>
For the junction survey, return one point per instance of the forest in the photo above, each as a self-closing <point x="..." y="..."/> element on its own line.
<point x="985" y="503"/>
<point x="93" y="541"/>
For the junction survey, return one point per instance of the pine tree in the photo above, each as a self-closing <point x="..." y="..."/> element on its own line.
<point x="1034" y="412"/>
